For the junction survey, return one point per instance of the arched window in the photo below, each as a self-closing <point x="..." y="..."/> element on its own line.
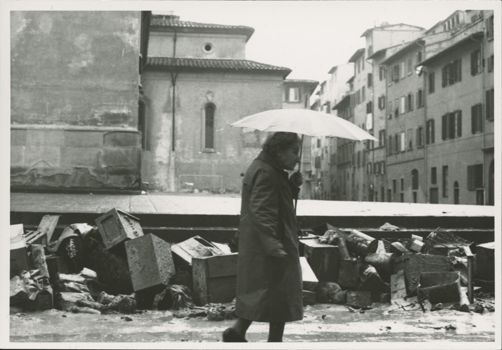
<point x="209" y="110"/>
<point x="414" y="179"/>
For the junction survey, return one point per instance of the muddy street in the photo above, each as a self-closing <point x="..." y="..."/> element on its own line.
<point x="322" y="323"/>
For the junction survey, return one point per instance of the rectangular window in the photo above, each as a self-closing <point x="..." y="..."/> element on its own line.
<point x="490" y="104"/>
<point x="409" y="138"/>
<point x="420" y="98"/>
<point x="381" y="138"/>
<point x="476" y="62"/>
<point x="390" y="146"/>
<point x="369" y="107"/>
<point x="402" y="70"/>
<point x="477" y="118"/>
<point x="409" y="65"/>
<point x="410" y="102"/>
<point x="430" y="132"/>
<point x="402" y="144"/>
<point x="402" y="105"/>
<point x="474" y="177"/>
<point x="397" y="143"/>
<point x="381" y="73"/>
<point x="445" y="181"/>
<point x="395" y="72"/>
<point x="293" y="94"/>
<point x="451" y="125"/>
<point x="434" y="176"/>
<point x="370" y="80"/>
<point x="396" y="108"/>
<point x="394" y="185"/>
<point x="489" y="27"/>
<point x="432" y="81"/>
<point x="452" y="73"/>
<point x="420" y="137"/>
<point x="490" y="64"/>
<point x="363" y="94"/>
<point x="402" y="184"/>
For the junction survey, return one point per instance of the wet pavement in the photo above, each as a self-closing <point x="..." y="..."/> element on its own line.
<point x="322" y="323"/>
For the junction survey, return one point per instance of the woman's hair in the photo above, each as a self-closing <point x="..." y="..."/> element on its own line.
<point x="279" y="141"/>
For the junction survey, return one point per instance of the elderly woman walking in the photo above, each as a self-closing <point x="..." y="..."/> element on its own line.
<point x="269" y="281"/>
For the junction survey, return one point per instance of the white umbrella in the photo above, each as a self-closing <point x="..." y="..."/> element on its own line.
<point x="305" y="122"/>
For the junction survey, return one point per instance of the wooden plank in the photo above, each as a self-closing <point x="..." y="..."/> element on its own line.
<point x="323" y="259"/>
<point x="48" y="225"/>
<point x="415" y="264"/>
<point x="199" y="281"/>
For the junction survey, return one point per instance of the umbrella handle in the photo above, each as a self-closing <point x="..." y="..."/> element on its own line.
<point x="299" y="168"/>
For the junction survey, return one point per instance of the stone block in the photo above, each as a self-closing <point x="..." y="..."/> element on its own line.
<point x="42" y="156"/>
<point x="17" y="156"/>
<point x="397" y="286"/>
<point x="45" y="137"/>
<point x="79" y="157"/>
<point x="18" y="137"/>
<point x="117" y="226"/>
<point x="323" y="258"/>
<point x="214" y="278"/>
<point x="150" y="261"/>
<point x="122" y="139"/>
<point x="83" y="138"/>
<point x="114" y="157"/>
<point x="359" y="299"/>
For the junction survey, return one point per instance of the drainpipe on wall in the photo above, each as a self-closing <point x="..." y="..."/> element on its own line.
<point x="172" y="160"/>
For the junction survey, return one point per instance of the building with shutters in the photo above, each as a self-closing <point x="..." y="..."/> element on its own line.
<point x="197" y="81"/>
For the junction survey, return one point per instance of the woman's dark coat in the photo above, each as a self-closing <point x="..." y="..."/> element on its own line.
<point x="269" y="288"/>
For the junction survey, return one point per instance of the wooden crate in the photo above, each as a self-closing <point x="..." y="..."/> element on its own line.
<point x="323" y="258"/>
<point x="117" y="226"/>
<point x="214" y="278"/>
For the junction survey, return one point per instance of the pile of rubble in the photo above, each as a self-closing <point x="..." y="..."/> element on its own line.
<point x="347" y="266"/>
<point x="114" y="267"/>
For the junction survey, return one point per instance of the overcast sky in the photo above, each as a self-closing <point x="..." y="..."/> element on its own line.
<point x="312" y="36"/>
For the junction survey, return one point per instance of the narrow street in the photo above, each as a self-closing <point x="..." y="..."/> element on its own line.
<point x="322" y="323"/>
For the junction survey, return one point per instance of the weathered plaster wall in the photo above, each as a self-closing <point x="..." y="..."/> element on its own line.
<point x="235" y="96"/>
<point x="74" y="99"/>
<point x="192" y="45"/>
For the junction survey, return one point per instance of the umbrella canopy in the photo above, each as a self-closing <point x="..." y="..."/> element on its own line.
<point x="305" y="122"/>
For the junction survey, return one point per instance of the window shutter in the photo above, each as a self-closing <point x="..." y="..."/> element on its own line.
<point x="444" y="76"/>
<point x="459" y="123"/>
<point x="473" y="119"/>
<point x="443" y="127"/>
<point x="473" y="63"/>
<point x="459" y="70"/>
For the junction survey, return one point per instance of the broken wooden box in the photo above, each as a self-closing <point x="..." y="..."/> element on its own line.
<point x="117" y="226"/>
<point x="150" y="261"/>
<point x="195" y="247"/>
<point x="18" y="251"/>
<point x="439" y="286"/>
<point x="323" y="259"/>
<point x="214" y="278"/>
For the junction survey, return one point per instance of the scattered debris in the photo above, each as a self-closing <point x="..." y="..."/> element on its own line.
<point x="331" y="293"/>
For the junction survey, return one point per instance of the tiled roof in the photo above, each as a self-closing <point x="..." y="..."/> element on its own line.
<point x="356" y="55"/>
<point x="170" y="22"/>
<point x="404" y="48"/>
<point x="235" y="65"/>
<point x="469" y="38"/>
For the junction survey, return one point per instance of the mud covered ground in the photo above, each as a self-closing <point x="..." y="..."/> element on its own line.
<point x="322" y="323"/>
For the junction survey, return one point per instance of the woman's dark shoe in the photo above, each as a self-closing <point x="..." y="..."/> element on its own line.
<point x="230" y="335"/>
